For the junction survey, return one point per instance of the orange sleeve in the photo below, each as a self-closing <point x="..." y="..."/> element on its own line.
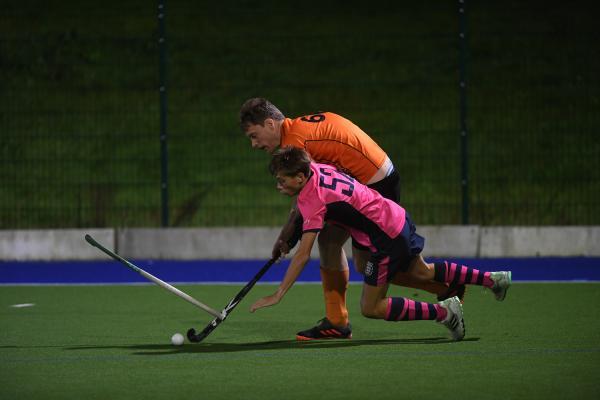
<point x="332" y="139"/>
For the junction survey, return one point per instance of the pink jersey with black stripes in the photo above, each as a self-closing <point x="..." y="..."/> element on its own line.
<point x="328" y="191"/>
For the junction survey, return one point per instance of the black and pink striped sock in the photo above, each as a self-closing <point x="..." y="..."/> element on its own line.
<point x="456" y="274"/>
<point x="403" y="309"/>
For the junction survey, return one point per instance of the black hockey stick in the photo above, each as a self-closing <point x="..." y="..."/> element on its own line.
<point x="198" y="337"/>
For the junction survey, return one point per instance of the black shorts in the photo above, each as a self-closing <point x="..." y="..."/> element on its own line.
<point x="389" y="187"/>
<point x="396" y="256"/>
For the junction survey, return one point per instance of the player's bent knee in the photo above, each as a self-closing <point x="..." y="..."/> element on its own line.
<point x="370" y="314"/>
<point x="368" y="311"/>
<point x="332" y="235"/>
<point x="329" y="245"/>
<point x="329" y="248"/>
<point x="333" y="257"/>
<point x="322" y="240"/>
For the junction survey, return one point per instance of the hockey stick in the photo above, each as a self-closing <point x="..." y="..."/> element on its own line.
<point x="198" y="337"/>
<point x="154" y="279"/>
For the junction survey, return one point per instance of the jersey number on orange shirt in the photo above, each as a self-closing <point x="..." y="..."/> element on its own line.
<point x="313" y="118"/>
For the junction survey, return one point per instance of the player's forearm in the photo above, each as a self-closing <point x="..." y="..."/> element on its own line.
<point x="288" y="230"/>
<point x="293" y="272"/>
<point x="288" y="235"/>
<point x="297" y="264"/>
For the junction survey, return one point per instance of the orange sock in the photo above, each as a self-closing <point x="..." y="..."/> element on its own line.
<point x="335" y="284"/>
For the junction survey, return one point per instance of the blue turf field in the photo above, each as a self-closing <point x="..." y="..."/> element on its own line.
<point x="40" y="272"/>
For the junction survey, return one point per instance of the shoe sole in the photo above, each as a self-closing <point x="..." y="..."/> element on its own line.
<point x="306" y="339"/>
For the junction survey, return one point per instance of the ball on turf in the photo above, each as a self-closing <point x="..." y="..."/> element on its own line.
<point x="177" y="339"/>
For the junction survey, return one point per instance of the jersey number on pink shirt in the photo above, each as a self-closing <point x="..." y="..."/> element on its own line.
<point x="333" y="185"/>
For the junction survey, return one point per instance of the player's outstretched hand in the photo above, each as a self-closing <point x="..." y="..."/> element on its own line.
<point x="265" y="302"/>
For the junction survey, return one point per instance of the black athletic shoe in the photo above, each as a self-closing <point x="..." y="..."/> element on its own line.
<point x="458" y="291"/>
<point x="325" y="330"/>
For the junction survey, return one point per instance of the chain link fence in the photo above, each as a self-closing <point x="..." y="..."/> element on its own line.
<point x="80" y="115"/>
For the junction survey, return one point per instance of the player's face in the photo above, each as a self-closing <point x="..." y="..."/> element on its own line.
<point x="290" y="185"/>
<point x="264" y="137"/>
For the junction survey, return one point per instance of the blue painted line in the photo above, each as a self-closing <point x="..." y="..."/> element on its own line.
<point x="103" y="272"/>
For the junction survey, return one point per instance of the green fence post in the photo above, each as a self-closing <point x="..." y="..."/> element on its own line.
<point x="462" y="68"/>
<point x="164" y="178"/>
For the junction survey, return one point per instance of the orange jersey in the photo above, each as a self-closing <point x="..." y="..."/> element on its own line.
<point x="332" y="139"/>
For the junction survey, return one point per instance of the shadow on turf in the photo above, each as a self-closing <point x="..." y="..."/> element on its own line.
<point x="163" y="349"/>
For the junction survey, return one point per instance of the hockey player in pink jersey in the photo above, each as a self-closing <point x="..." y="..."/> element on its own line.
<point x="379" y="225"/>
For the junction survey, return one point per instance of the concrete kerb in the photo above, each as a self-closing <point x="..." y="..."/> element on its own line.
<point x="53" y="244"/>
<point x="255" y="243"/>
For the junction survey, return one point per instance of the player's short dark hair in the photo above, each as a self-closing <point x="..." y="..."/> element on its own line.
<point x="256" y="110"/>
<point x="290" y="161"/>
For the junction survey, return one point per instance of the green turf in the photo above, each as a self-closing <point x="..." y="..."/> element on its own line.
<point x="113" y="342"/>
